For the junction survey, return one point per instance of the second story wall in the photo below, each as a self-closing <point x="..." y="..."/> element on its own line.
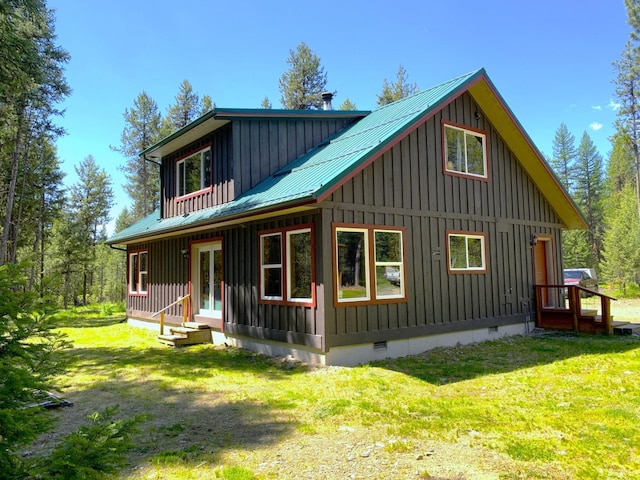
<point x="239" y="155"/>
<point x="220" y="170"/>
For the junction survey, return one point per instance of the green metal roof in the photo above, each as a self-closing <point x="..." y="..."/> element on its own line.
<point x="317" y="171"/>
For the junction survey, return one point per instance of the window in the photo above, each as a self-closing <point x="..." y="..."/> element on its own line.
<point x="271" y="266"/>
<point x="466" y="252"/>
<point x="465" y="151"/>
<point x="138" y="272"/>
<point x="369" y="264"/>
<point x="193" y="173"/>
<point x="287" y="270"/>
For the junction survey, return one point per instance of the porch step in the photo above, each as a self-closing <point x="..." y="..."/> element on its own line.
<point x="586" y="312"/>
<point x="626" y="329"/>
<point x="195" y="325"/>
<point x="182" y="336"/>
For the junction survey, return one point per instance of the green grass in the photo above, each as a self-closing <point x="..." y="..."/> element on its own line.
<point x="564" y="406"/>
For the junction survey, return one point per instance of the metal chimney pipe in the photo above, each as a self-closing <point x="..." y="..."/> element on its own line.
<point x="326" y="101"/>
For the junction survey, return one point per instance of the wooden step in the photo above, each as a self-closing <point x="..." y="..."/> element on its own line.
<point x="174" y="340"/>
<point x="195" y="325"/>
<point x="627" y="329"/>
<point x="587" y="312"/>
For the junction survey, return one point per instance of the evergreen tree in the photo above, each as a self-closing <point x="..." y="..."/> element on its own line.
<point x="91" y="201"/>
<point x="29" y="361"/>
<point x="398" y="90"/>
<point x="141" y="130"/>
<point x="347" y="105"/>
<point x="564" y="156"/>
<point x="266" y="104"/>
<point x="31" y="85"/>
<point x="621" y="244"/>
<point x="588" y="194"/>
<point x="303" y="84"/>
<point x="187" y="108"/>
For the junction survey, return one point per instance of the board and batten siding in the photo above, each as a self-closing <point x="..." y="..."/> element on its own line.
<point x="168" y="279"/>
<point x="262" y="147"/>
<point x="406" y="187"/>
<point x="222" y="189"/>
<point x="244" y="313"/>
<point x="243" y="153"/>
<point x="168" y="273"/>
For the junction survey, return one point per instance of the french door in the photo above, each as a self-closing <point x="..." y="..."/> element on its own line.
<point x="207" y="279"/>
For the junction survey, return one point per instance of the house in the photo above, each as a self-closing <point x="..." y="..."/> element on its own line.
<point x="339" y="237"/>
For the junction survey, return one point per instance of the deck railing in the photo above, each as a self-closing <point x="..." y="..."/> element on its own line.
<point x="185" y="311"/>
<point x="562" y="307"/>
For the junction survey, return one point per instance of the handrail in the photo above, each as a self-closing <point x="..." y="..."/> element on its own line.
<point x="573" y="294"/>
<point x="182" y="299"/>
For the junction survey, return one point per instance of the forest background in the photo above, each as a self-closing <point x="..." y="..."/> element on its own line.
<point x="58" y="230"/>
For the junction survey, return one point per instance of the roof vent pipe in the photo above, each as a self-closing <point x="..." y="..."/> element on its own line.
<point x="326" y="101"/>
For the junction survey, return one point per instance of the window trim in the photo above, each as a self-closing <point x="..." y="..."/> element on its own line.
<point x="285" y="298"/>
<point x="180" y="160"/>
<point x="134" y="267"/>
<point x="485" y="151"/>
<point x="264" y="267"/>
<point x="372" y="297"/>
<point x="467" y="234"/>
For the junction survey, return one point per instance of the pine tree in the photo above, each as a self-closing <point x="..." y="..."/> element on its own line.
<point x="621" y="243"/>
<point x="266" y="104"/>
<point x="90" y="202"/>
<point x="564" y="156"/>
<point x="398" y="90"/>
<point x="347" y="105"/>
<point x="588" y="194"/>
<point x="187" y="108"/>
<point x="303" y="84"/>
<point x="31" y="85"/>
<point x="141" y="130"/>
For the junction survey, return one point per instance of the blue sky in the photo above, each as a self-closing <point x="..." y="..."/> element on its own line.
<point x="550" y="59"/>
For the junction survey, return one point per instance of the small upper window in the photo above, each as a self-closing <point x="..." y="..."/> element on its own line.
<point x="465" y="151"/>
<point x="466" y="252"/>
<point x="193" y="173"/>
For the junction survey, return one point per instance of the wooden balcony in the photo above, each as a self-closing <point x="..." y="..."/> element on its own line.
<point x="573" y="308"/>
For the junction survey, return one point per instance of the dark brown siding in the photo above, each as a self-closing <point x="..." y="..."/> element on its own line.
<point x="223" y="184"/>
<point x="412" y="191"/>
<point x="167" y="276"/>
<point x="244" y="153"/>
<point x="262" y="147"/>
<point x="169" y="279"/>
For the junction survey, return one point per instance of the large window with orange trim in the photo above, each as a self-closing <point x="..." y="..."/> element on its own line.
<point x="369" y="264"/>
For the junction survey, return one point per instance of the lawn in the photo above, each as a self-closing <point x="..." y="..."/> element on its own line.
<point x="549" y="406"/>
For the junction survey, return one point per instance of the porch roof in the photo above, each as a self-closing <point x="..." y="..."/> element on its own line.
<point x="316" y="174"/>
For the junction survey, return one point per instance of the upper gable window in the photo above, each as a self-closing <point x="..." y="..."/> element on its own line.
<point x="193" y="173"/>
<point x="465" y="151"/>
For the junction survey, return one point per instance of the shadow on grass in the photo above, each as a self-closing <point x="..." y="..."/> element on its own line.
<point x="66" y="320"/>
<point x="448" y="365"/>
<point x="183" y="428"/>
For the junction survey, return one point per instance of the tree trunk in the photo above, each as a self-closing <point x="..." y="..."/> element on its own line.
<point x="11" y="193"/>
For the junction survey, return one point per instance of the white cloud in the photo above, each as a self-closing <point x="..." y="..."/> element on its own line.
<point x="597" y="107"/>
<point x="596" y="126"/>
<point x="615" y="106"/>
